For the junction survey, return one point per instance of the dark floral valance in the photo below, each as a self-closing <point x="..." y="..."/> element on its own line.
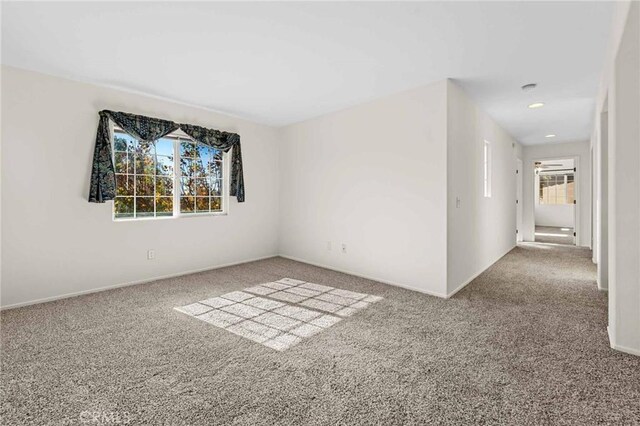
<point x="145" y="129"/>
<point x="148" y="129"/>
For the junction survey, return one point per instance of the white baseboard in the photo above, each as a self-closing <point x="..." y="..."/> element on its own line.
<point x="626" y="350"/>
<point x="464" y="284"/>
<point x="477" y="274"/>
<point x="143" y="281"/>
<point x="368" y="277"/>
<point x="612" y="343"/>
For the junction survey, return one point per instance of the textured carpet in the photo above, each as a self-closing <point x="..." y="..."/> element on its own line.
<point x="524" y="344"/>
<point x="554" y="235"/>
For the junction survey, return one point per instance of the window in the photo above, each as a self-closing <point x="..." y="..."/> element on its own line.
<point x="147" y="175"/>
<point x="556" y="188"/>
<point x="200" y="178"/>
<point x="487" y="169"/>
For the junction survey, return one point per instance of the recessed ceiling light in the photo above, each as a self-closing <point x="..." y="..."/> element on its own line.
<point x="550" y="136"/>
<point x="536" y="105"/>
<point x="529" y="87"/>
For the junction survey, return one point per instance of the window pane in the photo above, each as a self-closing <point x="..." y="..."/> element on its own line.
<point x="164" y="206"/>
<point x="144" y="206"/>
<point x="164" y="186"/>
<point x="145" y="164"/>
<point x="202" y="204"/>
<point x="124" y="142"/>
<point x="123" y="162"/>
<point x="200" y="168"/>
<point x="560" y="189"/>
<point x="164" y="146"/>
<point x="164" y="165"/>
<point x="187" y="204"/>
<point x="216" y="170"/>
<point x="123" y="207"/>
<point x="148" y="148"/>
<point x="187" y="149"/>
<point x="186" y="167"/>
<point x="187" y="186"/>
<point x="216" y="187"/>
<point x="203" y="152"/>
<point x="202" y="187"/>
<point x="144" y="186"/>
<point x="217" y="155"/>
<point x="124" y="185"/>
<point x="570" y="189"/>
<point x="546" y="185"/>
<point x="216" y="204"/>
<point x="119" y="143"/>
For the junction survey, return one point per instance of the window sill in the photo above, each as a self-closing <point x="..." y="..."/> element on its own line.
<point x="184" y="215"/>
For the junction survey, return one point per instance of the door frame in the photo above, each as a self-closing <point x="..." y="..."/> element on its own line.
<point x="519" y="199"/>
<point x="577" y="196"/>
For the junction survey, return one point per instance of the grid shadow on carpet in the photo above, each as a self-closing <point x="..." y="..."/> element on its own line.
<point x="279" y="314"/>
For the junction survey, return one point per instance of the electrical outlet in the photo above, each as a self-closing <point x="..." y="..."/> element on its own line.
<point x="151" y="254"/>
<point x="344" y="248"/>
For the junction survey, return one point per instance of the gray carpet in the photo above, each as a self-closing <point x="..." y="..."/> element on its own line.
<point x="554" y="235"/>
<point x="523" y="344"/>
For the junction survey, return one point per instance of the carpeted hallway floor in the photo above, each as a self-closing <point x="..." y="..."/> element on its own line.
<point x="554" y="235"/>
<point x="523" y="344"/>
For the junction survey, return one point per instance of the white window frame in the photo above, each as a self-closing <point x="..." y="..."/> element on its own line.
<point x="177" y="135"/>
<point x="486" y="168"/>
<point x="565" y="183"/>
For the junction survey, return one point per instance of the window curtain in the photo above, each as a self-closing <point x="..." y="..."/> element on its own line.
<point x="148" y="129"/>
<point x="223" y="141"/>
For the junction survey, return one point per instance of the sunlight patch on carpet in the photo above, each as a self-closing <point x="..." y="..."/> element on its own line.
<point x="279" y="314"/>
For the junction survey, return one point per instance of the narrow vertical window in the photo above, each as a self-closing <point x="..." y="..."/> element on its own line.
<point x="487" y="169"/>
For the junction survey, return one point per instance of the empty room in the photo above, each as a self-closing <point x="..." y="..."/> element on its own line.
<point x="320" y="213"/>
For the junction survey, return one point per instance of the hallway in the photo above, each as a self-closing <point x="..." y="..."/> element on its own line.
<point x="547" y="330"/>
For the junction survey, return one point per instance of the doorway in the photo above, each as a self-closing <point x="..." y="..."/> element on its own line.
<point x="555" y="201"/>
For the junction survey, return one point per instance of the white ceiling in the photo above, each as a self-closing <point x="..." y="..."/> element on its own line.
<point x="280" y="63"/>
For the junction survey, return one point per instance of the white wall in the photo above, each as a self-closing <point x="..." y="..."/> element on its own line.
<point x="624" y="189"/>
<point x="56" y="243"/>
<point x="616" y="155"/>
<point x="601" y="203"/>
<point x="559" y="215"/>
<point x="602" y="132"/>
<point x="481" y="229"/>
<point x="582" y="152"/>
<point x="374" y="178"/>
